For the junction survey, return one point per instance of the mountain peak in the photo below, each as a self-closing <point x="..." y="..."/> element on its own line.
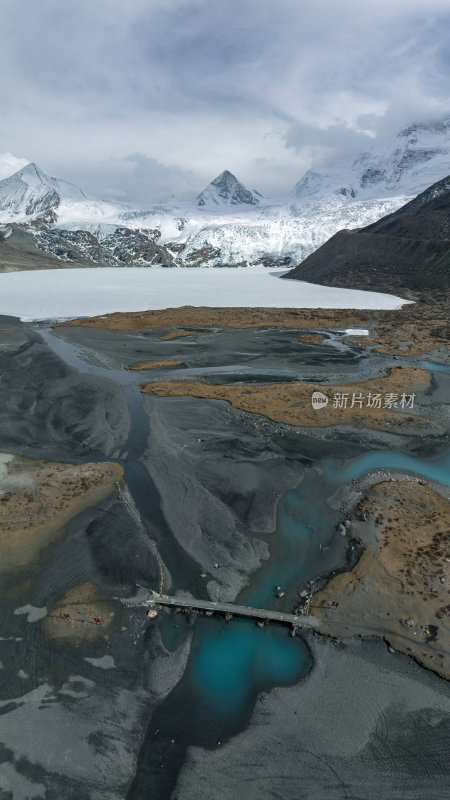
<point x="226" y="175"/>
<point x="31" y="168"/>
<point x="440" y="125"/>
<point x="404" y="164"/>
<point x="31" y="193"/>
<point x="31" y="173"/>
<point x="226" y="190"/>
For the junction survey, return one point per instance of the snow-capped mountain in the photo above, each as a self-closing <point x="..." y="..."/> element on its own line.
<point x="405" y="164"/>
<point x="226" y="190"/>
<point x="409" y="248"/>
<point x="228" y="224"/>
<point x="30" y="193"/>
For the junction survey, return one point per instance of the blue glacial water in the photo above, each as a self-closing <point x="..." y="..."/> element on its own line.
<point x="435" y="366"/>
<point x="437" y="469"/>
<point x="230" y="663"/>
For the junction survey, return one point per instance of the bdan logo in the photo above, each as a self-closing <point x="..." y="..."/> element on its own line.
<point x="319" y="400"/>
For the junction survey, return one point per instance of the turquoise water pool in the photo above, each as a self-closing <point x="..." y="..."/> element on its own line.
<point x="230" y="663"/>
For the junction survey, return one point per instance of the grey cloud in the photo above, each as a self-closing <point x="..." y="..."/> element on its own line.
<point x="335" y="141"/>
<point x="9" y="164"/>
<point x="197" y="86"/>
<point x="403" y="111"/>
<point x="149" y="177"/>
<point x="135" y="178"/>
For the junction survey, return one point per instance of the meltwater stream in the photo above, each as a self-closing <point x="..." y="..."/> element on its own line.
<point x="142" y="488"/>
<point x="252" y="657"/>
<point x="230" y="664"/>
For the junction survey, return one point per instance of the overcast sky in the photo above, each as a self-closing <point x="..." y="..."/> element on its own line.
<point x="137" y="99"/>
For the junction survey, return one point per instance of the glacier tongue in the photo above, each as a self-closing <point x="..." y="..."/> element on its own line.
<point x="228" y="224"/>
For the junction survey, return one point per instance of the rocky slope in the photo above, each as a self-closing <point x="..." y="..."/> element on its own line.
<point x="19" y="250"/>
<point x="408" y="249"/>
<point x="227" y="224"/>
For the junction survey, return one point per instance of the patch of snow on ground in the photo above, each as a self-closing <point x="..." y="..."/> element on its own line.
<point x="356" y="332"/>
<point x="105" y="662"/>
<point x="34" y="613"/>
<point x="67" y="293"/>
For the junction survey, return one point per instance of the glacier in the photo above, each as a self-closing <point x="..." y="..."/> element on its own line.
<point x="228" y="224"/>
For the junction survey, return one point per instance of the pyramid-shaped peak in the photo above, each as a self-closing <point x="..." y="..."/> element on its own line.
<point x="225" y="177"/>
<point x="226" y="190"/>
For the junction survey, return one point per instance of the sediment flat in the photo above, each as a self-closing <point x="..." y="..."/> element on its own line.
<point x="345" y="731"/>
<point x="416" y="328"/>
<point x="205" y="480"/>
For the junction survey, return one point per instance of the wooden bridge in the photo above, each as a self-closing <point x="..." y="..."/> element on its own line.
<point x="231" y="609"/>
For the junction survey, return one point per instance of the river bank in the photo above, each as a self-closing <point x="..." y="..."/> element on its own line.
<point x="235" y="503"/>
<point x="399" y="587"/>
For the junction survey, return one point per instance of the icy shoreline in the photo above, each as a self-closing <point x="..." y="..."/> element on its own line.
<point x="68" y="293"/>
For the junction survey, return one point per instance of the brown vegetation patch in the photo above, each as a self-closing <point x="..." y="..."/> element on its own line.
<point x="417" y="329"/>
<point x="311" y="338"/>
<point x="82" y="613"/>
<point x="203" y="317"/>
<point x="399" y="588"/>
<point x="411" y="330"/>
<point x="291" y="402"/>
<point x="38" y="498"/>
<point x="143" y="365"/>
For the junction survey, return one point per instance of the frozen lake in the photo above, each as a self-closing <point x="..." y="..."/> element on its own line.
<point x="67" y="293"/>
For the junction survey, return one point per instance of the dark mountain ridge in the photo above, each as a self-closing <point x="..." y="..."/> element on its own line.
<point x="408" y="249"/>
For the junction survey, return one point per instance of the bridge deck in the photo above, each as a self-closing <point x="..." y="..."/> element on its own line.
<point x="231" y="608"/>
